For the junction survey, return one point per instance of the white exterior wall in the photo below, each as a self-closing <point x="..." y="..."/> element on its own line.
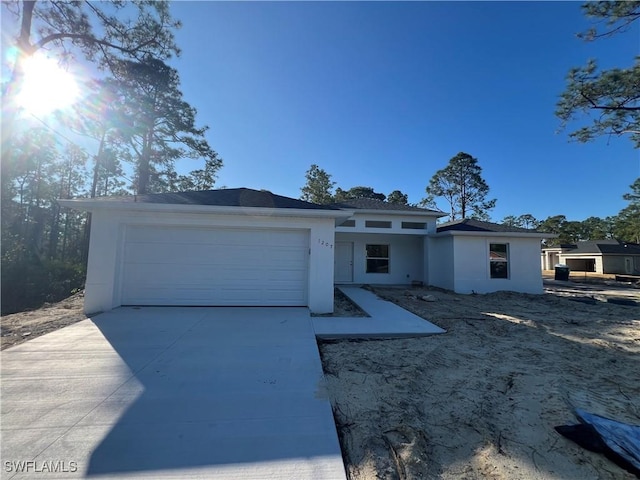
<point x="406" y="257"/>
<point x="425" y="261"/>
<point x="396" y="223"/>
<point x="103" y="283"/>
<point x="103" y="263"/>
<point x="471" y="265"/>
<point x="440" y="255"/>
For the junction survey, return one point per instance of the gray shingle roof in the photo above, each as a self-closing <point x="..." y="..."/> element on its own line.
<point x="373" y="204"/>
<point x="611" y="247"/>
<point x="472" y="225"/>
<point x="230" y="197"/>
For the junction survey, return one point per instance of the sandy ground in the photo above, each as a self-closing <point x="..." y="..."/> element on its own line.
<point x="20" y="327"/>
<point x="481" y="400"/>
<point x="477" y="402"/>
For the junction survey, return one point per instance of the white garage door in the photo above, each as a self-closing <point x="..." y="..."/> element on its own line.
<point x="201" y="266"/>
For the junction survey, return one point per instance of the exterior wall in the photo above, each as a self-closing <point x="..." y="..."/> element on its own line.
<point x="440" y="253"/>
<point x="103" y="263"/>
<point x="396" y="224"/>
<point x="426" y="273"/>
<point x="615" y="264"/>
<point x="406" y="253"/>
<point x="103" y="284"/>
<point x="471" y="265"/>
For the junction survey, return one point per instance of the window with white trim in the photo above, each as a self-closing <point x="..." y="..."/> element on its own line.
<point x="414" y="225"/>
<point x="377" y="224"/>
<point x="499" y="260"/>
<point x="377" y="258"/>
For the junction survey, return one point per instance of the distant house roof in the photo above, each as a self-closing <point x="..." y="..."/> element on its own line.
<point x="472" y="225"/>
<point x="230" y="197"/>
<point x="597" y="247"/>
<point x="373" y="204"/>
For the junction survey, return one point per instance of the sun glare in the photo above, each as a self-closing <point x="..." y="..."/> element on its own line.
<point x="46" y="87"/>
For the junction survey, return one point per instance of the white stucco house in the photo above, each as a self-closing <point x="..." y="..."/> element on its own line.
<point x="243" y="247"/>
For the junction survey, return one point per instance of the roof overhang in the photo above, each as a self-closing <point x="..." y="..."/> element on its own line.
<point x="466" y="233"/>
<point x="399" y="213"/>
<point x="92" y="205"/>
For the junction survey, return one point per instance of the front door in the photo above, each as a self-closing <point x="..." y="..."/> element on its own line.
<point x="628" y="265"/>
<point x="343" y="262"/>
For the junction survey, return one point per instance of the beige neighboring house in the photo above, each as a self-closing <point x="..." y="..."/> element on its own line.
<point x="599" y="256"/>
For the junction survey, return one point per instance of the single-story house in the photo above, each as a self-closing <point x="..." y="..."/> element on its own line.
<point x="242" y="247"/>
<point x="599" y="256"/>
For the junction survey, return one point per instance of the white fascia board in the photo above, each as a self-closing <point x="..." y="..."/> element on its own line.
<point x="399" y="213"/>
<point x="92" y="205"/>
<point x="463" y="233"/>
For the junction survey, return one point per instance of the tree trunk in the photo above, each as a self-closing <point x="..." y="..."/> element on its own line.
<point x="9" y="106"/>
<point x="85" y="239"/>
<point x="96" y="168"/>
<point x="144" y="165"/>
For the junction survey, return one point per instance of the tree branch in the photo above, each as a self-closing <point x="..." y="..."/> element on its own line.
<point x="626" y="109"/>
<point x="613" y="31"/>
<point x="604" y="107"/>
<point x="88" y="38"/>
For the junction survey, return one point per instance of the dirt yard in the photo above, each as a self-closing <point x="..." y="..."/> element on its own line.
<point x="481" y="400"/>
<point x="20" y="327"/>
<point x="477" y="402"/>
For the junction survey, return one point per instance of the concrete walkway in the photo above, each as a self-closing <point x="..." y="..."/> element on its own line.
<point x="211" y="393"/>
<point x="387" y="320"/>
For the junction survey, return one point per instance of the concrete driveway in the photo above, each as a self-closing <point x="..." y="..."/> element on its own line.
<point x="170" y="393"/>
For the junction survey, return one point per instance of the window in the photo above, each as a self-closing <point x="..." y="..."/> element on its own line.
<point x="348" y="223"/>
<point x="499" y="260"/>
<point x="414" y="225"/>
<point x="377" y="258"/>
<point x="377" y="224"/>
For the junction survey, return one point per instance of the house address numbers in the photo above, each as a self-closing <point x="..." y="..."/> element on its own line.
<point x="325" y="244"/>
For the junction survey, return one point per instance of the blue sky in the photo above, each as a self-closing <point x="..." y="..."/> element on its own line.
<point x="383" y="94"/>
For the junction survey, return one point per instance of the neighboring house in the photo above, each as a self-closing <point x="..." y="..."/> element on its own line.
<point x="241" y="247"/>
<point x="600" y="256"/>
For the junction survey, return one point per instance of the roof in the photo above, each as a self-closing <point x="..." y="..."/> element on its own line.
<point x="373" y="204"/>
<point x="609" y="246"/>
<point x="472" y="225"/>
<point x="230" y="197"/>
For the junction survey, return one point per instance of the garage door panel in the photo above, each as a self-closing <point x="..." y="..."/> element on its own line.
<point x="232" y="255"/>
<point x="289" y="276"/>
<point x="158" y="273"/>
<point x="197" y="266"/>
<point x="221" y="296"/>
<point x="167" y="254"/>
